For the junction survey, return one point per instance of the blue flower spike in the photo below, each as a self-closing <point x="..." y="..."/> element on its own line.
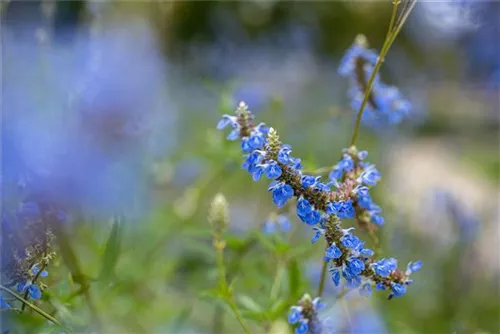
<point x="324" y="208"/>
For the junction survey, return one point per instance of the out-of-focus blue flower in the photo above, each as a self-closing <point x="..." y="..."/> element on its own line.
<point x="33" y="290"/>
<point x="85" y="128"/>
<point x="3" y="304"/>
<point x="386" y="105"/>
<point x="304" y="316"/>
<point x="275" y="222"/>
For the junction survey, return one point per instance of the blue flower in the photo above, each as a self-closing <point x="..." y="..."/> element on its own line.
<point x="413" y="267"/>
<point x="344" y="209"/>
<point x="350" y="241"/>
<point x="364" y="198"/>
<point x="335" y="174"/>
<point x="311" y="218"/>
<point x="303" y="207"/>
<point x="303" y="327"/>
<point x="385" y="267"/>
<point x="273" y="171"/>
<point x="317" y="235"/>
<point x="284" y="223"/>
<point x="284" y="154"/>
<point x="366" y="290"/>
<point x="398" y="289"/>
<point x="380" y="286"/>
<point x="370" y="176"/>
<point x="353" y="282"/>
<point x="282" y="192"/>
<point x="332" y="252"/>
<point x="295" y="315"/>
<point x="346" y="164"/>
<point x="335" y="276"/>
<point x="377" y="219"/>
<point x="356" y="266"/>
<point x="245" y="145"/>
<point x="33" y="290"/>
<point x="269" y="227"/>
<point x="35" y="271"/>
<point x="309" y="181"/>
<point x="227" y="120"/>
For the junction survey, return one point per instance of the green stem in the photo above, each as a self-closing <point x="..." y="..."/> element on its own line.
<point x="390" y="37"/>
<point x="32" y="306"/>
<point x="321" y="286"/>
<point x="237" y="313"/>
<point x="223" y="286"/>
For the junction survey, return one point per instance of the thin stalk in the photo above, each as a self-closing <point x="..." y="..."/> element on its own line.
<point x="32" y="306"/>
<point x="223" y="286"/>
<point x="391" y="35"/>
<point x="321" y="286"/>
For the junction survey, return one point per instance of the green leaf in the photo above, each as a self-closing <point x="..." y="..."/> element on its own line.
<point x="112" y="251"/>
<point x="249" y="303"/>
<point x="277" y="309"/>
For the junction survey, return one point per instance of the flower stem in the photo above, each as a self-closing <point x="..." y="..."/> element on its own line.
<point x="321" y="286"/>
<point x="32" y="306"/>
<point x="389" y="39"/>
<point x="223" y="286"/>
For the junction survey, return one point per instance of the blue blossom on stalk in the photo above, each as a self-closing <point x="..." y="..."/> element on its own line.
<point x="354" y="183"/>
<point x="323" y="208"/>
<point x="304" y="316"/>
<point x="386" y="105"/>
<point x="275" y="222"/>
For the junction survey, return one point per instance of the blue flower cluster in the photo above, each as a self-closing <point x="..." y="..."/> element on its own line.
<point x="275" y="223"/>
<point x="353" y="178"/>
<point x="386" y="104"/>
<point x="28" y="249"/>
<point x="304" y="316"/>
<point x="321" y="207"/>
<point x="30" y="285"/>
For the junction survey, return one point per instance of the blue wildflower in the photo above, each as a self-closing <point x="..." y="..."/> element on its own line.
<point x="385" y="267"/>
<point x="273" y="171"/>
<point x="350" y="241"/>
<point x="370" y="176"/>
<point x="303" y="206"/>
<point x="366" y="289"/>
<point x="303" y="327"/>
<point x="332" y="252"/>
<point x="355" y="265"/>
<point x="413" y="267"/>
<point x="335" y="276"/>
<point x="311" y="218"/>
<point x="398" y="289"/>
<point x="295" y="315"/>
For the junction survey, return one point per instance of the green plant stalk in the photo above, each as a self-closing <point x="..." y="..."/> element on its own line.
<point x="232" y="271"/>
<point x="223" y="286"/>
<point x="32" y="306"/>
<point x="322" y="279"/>
<point x="389" y="39"/>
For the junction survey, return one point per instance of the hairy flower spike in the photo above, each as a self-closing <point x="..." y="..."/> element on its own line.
<point x="323" y="208"/>
<point x="218" y="215"/>
<point x="304" y="316"/>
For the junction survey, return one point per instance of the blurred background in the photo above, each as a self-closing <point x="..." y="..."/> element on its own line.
<point x="108" y="117"/>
